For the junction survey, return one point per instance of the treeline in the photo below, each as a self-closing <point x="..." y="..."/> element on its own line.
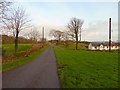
<point x="11" y="39"/>
<point x="73" y="32"/>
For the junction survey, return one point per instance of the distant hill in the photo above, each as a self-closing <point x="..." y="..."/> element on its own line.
<point x="10" y="40"/>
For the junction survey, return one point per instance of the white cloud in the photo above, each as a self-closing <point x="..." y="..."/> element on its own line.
<point x="58" y="18"/>
<point x="99" y="31"/>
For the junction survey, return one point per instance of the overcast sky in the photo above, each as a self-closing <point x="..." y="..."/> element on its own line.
<point x="57" y="14"/>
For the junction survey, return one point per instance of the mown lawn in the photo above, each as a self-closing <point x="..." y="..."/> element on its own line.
<point x="87" y="69"/>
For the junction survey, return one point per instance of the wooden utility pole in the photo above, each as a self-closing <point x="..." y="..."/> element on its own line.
<point x="109" y="34"/>
<point x="43" y="34"/>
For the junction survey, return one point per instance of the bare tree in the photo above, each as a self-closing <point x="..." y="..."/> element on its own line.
<point x="74" y="26"/>
<point x="16" y="21"/>
<point x="66" y="38"/>
<point x="4" y="7"/>
<point x="34" y="35"/>
<point x="57" y="34"/>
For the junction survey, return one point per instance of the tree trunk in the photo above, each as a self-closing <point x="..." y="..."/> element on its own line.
<point x="16" y="40"/>
<point x="66" y="43"/>
<point x="76" y="41"/>
<point x="76" y="45"/>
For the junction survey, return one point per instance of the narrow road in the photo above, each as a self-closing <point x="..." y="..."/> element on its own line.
<point x="41" y="73"/>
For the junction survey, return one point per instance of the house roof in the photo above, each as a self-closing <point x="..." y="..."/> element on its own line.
<point x="95" y="43"/>
<point x="105" y="43"/>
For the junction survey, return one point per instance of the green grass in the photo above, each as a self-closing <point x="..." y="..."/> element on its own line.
<point x="87" y="69"/>
<point x="20" y="61"/>
<point x="9" y="48"/>
<point x="73" y="47"/>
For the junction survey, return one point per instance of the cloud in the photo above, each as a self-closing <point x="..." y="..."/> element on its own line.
<point x="48" y="13"/>
<point x="96" y="31"/>
<point x="57" y="15"/>
<point x="99" y="31"/>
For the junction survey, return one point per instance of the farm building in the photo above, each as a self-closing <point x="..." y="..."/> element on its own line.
<point x="103" y="46"/>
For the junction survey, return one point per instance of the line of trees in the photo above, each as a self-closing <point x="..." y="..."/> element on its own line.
<point x="73" y="32"/>
<point x="33" y="34"/>
<point x="57" y="34"/>
<point x="15" y="20"/>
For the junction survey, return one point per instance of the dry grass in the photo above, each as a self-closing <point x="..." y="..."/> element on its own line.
<point x="11" y="57"/>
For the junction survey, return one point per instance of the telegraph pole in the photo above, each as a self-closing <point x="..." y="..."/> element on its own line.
<point x="109" y="34"/>
<point x="43" y="34"/>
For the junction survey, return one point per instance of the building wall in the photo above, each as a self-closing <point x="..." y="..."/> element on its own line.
<point x="90" y="46"/>
<point x="101" y="47"/>
<point x="106" y="48"/>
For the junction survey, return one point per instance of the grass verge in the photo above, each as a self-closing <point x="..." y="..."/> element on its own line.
<point x="20" y="61"/>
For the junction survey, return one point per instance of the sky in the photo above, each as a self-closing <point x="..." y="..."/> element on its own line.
<point x="56" y="15"/>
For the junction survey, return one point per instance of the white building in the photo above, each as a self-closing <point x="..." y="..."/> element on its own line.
<point x="103" y="46"/>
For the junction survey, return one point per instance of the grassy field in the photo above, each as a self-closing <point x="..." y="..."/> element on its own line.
<point x="87" y="69"/>
<point x="9" y="48"/>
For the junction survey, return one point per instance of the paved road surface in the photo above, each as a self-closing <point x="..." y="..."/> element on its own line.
<point x="41" y="73"/>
